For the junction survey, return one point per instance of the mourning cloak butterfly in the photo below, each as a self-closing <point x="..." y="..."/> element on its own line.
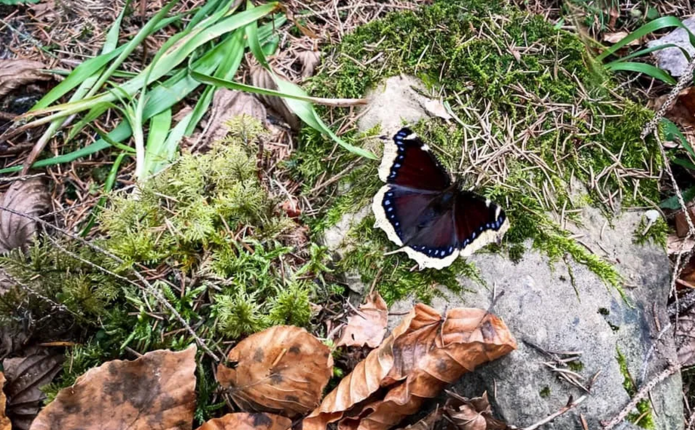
<point x="421" y="209"/>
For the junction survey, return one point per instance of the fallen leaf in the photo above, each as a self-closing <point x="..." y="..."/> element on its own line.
<point x="367" y="327"/>
<point x="25" y="376"/>
<point x="677" y="245"/>
<point x="155" y="391"/>
<point x="262" y="79"/>
<point x="617" y="37"/>
<point x="472" y="414"/>
<point x="228" y="104"/>
<point x="29" y="197"/>
<point x="4" y="421"/>
<point x="283" y="370"/>
<point x="429" y="422"/>
<point x="436" y="108"/>
<point x="309" y="60"/>
<point x="17" y="73"/>
<point x="682" y="111"/>
<point x="420" y="357"/>
<point x="291" y="208"/>
<point x="248" y="421"/>
<point x="681" y="221"/>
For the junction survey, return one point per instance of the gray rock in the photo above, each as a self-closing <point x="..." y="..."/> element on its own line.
<point x="672" y="59"/>
<point x="541" y="307"/>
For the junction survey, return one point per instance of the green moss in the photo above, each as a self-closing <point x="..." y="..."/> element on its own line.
<point x="657" y="233"/>
<point x="643" y="411"/>
<point x="548" y="146"/>
<point x="545" y="392"/>
<point x="604" y="311"/>
<point x="576" y="366"/>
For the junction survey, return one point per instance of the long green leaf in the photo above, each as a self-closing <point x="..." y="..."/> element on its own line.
<point x="672" y="202"/>
<point x="647" y="69"/>
<point x="646" y="51"/>
<point x="171" y="144"/>
<point x="108" y="186"/>
<point x="159" y="128"/>
<point x="657" y="24"/>
<point x="674" y="134"/>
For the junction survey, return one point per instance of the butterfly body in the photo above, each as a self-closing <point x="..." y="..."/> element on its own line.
<point x="424" y="210"/>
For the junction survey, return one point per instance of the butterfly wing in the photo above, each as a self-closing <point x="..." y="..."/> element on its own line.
<point x="418" y="211"/>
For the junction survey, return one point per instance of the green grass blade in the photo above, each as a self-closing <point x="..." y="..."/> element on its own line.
<point x="159" y="128"/>
<point x="684" y="163"/>
<point x="657" y="24"/>
<point x="646" y="51"/>
<point x="674" y="134"/>
<point x="108" y="186"/>
<point x="647" y="69"/>
<point x="673" y="203"/>
<point x="171" y="144"/>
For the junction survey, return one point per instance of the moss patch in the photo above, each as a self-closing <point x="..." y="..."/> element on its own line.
<point x="642" y="416"/>
<point x="656" y="233"/>
<point x="535" y="114"/>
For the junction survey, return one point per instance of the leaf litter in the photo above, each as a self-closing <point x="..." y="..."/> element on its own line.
<point x="283" y="369"/>
<point x="156" y="390"/>
<point x="248" y="421"/>
<point x="28" y="197"/>
<point x="368" y="325"/>
<point x="18" y="73"/>
<point x="5" y="423"/>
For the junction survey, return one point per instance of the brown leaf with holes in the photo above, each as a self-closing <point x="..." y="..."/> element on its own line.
<point x="17" y="73"/>
<point x="282" y="370"/>
<point x="368" y="326"/>
<point x="25" y="377"/>
<point x="155" y="391"/>
<point x="248" y="421"/>
<point x="4" y="421"/>
<point x="29" y="197"/>
<point x="422" y="355"/>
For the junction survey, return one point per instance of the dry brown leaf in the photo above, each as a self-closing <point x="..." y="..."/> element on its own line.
<point x="472" y="414"/>
<point x="422" y="356"/>
<point x="228" y="104"/>
<point x="429" y="422"/>
<point x="617" y="37"/>
<point x="155" y="391"/>
<point x="367" y="327"/>
<point x="17" y="73"/>
<point x="677" y="245"/>
<point x="681" y="112"/>
<point x="25" y="376"/>
<point x="29" y="197"/>
<point x="310" y="60"/>
<point x="4" y="421"/>
<point x="436" y="108"/>
<point x="261" y="78"/>
<point x="685" y="338"/>
<point x="248" y="421"/>
<point x="283" y="370"/>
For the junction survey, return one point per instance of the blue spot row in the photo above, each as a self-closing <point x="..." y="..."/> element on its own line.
<point x="401" y="154"/>
<point x="435" y="252"/>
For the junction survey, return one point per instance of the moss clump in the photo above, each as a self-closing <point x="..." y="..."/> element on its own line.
<point x="545" y="115"/>
<point x="545" y="392"/>
<point x="656" y="233"/>
<point x="643" y="414"/>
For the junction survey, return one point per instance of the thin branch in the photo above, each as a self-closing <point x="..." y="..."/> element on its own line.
<point x="569" y="406"/>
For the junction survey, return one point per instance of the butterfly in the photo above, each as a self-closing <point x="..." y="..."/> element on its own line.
<point x="424" y="210"/>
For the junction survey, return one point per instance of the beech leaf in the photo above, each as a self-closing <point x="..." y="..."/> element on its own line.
<point x="4" y="421"/>
<point x="156" y="391"/>
<point x="17" y="73"/>
<point x="25" y="377"/>
<point x="420" y="357"/>
<point x="283" y="370"/>
<point x="367" y="327"/>
<point x="228" y="104"/>
<point x="248" y="421"/>
<point x="29" y="197"/>
<point x="472" y="414"/>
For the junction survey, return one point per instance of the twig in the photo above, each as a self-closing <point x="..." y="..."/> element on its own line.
<point x="146" y="285"/>
<point x="641" y="394"/>
<point x="569" y="406"/>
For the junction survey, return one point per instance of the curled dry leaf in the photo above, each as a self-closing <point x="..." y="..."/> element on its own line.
<point x="437" y="109"/>
<point x="422" y="355"/>
<point x="25" y="377"/>
<point x="248" y="421"/>
<point x="155" y="391"/>
<point x="4" y="421"/>
<point x="17" y="73"/>
<point x="471" y="414"/>
<point x="262" y="79"/>
<point x="29" y="197"/>
<point x="228" y="104"/>
<point x="309" y="60"/>
<point x="429" y="422"/>
<point x="617" y="37"/>
<point x="283" y="370"/>
<point x="368" y="326"/>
